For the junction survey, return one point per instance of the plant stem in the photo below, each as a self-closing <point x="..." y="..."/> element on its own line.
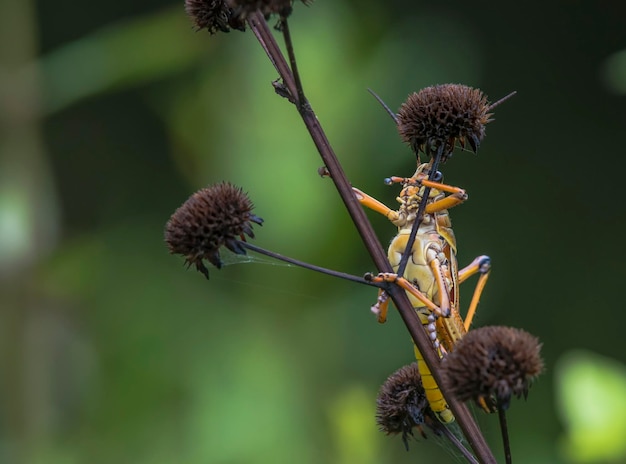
<point x="257" y="23"/>
<point x="311" y="267"/>
<point x="505" y="433"/>
<point x="292" y="59"/>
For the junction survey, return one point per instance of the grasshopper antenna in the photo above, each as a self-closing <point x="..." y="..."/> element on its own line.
<point x="502" y="100"/>
<point x="391" y="113"/>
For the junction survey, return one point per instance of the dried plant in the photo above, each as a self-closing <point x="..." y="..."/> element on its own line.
<point x="211" y="218"/>
<point x="443" y="115"/>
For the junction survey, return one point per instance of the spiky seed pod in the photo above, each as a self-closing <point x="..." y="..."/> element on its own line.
<point x="213" y="15"/>
<point x="401" y="404"/>
<point x="442" y="115"/>
<point x="492" y="362"/>
<point x="212" y="217"/>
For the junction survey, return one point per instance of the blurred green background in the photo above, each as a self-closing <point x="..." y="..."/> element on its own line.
<point x="112" y="113"/>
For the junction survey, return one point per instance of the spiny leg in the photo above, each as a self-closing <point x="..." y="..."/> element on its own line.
<point x="381" y="306"/>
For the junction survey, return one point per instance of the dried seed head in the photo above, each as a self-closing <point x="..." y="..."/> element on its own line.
<point x="401" y="404"/>
<point x="439" y="116"/>
<point x="212" y="217"/>
<point x="213" y="15"/>
<point x="492" y="362"/>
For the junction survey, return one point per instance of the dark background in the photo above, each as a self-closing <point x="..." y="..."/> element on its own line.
<point x="113" y="113"/>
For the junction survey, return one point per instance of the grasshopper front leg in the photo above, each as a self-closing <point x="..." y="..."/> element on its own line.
<point x="375" y="205"/>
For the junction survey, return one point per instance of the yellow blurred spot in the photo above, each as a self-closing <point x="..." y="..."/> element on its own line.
<point x="352" y="415"/>
<point x="591" y="395"/>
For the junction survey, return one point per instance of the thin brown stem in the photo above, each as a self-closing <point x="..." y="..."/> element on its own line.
<point x="264" y="35"/>
<point x="305" y="265"/>
<point x="504" y="428"/>
<point x="301" y="100"/>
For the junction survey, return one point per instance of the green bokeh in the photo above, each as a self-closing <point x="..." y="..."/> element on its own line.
<point x="593" y="407"/>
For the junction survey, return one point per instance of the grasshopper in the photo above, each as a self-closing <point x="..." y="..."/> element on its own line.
<point x="432" y="277"/>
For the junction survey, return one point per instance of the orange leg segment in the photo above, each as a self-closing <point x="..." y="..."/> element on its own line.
<point x="375" y="205"/>
<point x="482" y="265"/>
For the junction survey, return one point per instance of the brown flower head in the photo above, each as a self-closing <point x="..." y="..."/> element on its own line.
<point x="492" y="362"/>
<point x="213" y="15"/>
<point x="218" y="215"/>
<point x="401" y="404"/>
<point x="439" y="116"/>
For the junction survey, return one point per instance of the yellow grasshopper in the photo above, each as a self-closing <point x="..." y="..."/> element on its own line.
<point x="432" y="277"/>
